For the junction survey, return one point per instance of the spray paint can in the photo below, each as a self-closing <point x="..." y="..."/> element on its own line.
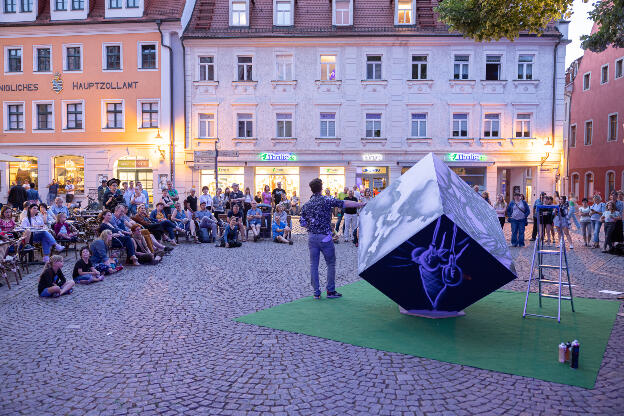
<point x="576" y="346"/>
<point x="562" y="352"/>
<point x="568" y="351"/>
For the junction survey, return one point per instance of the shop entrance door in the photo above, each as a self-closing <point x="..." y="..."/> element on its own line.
<point x="373" y="178"/>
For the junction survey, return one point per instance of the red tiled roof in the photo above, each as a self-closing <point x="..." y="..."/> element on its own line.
<point x="153" y="10"/>
<point x="314" y="18"/>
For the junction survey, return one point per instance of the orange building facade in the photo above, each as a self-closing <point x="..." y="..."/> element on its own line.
<point x="84" y="102"/>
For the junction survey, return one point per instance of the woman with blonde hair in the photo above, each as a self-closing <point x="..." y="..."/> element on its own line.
<point x="52" y="283"/>
<point x="99" y="258"/>
<point x="501" y="207"/>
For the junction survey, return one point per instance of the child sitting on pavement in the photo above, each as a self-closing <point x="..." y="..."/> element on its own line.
<point x="52" y="283"/>
<point x="84" y="271"/>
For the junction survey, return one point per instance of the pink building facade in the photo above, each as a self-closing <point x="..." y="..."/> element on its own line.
<point x="595" y="130"/>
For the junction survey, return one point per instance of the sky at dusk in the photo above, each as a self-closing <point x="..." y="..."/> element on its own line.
<point x="580" y="24"/>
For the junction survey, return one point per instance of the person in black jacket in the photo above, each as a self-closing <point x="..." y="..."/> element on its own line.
<point x="17" y="196"/>
<point x="52" y="283"/>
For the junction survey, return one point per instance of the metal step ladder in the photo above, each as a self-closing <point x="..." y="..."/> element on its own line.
<point x="542" y="260"/>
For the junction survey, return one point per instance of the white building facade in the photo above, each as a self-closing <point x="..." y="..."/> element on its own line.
<point x="360" y="110"/>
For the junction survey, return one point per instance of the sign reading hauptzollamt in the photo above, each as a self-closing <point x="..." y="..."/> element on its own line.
<point x="277" y="157"/>
<point x="465" y="157"/>
<point x="103" y="85"/>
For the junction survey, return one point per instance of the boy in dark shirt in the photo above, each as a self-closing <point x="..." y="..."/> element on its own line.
<point x="84" y="271"/>
<point x="229" y="239"/>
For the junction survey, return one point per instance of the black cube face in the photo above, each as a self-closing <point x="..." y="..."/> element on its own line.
<point x="440" y="268"/>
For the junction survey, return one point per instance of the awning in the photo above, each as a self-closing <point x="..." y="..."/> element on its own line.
<point x="8" y="158"/>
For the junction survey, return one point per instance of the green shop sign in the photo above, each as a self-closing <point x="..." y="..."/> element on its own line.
<point x="465" y="157"/>
<point x="277" y="157"/>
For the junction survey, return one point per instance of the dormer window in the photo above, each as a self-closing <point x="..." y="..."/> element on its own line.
<point x="343" y="12"/>
<point x="123" y="8"/>
<point x="404" y="12"/>
<point x="239" y="12"/>
<point x="283" y="12"/>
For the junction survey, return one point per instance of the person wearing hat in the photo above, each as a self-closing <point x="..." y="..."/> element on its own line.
<point x="101" y="191"/>
<point x="113" y="195"/>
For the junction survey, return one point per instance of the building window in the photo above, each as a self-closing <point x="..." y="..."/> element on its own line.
<point x="206" y="125"/>
<point x="525" y="67"/>
<point x="460" y="68"/>
<point x="619" y="68"/>
<point x="24" y="172"/>
<point x="114" y="4"/>
<point x="239" y="13"/>
<point x="74" y="58"/>
<point x="132" y="4"/>
<point x="373" y="67"/>
<point x="404" y="12"/>
<point x="15" y="116"/>
<point x="26" y="6"/>
<point x="575" y="184"/>
<point x="523" y="125"/>
<point x="61" y="5"/>
<point x="43" y="60"/>
<point x="113" y="57"/>
<point x="44" y="116"/>
<point x="573" y="135"/>
<point x="419" y="125"/>
<point x="588" y="133"/>
<point x="283" y="13"/>
<point x="328" y="67"/>
<point x="74" y="116"/>
<point x="492" y="67"/>
<point x="14" y="56"/>
<point x="69" y="169"/>
<point x="342" y="13"/>
<point x="148" y="56"/>
<point x="10" y="6"/>
<point x="284" y="65"/>
<point x="609" y="183"/>
<point x="206" y="68"/>
<point x="373" y="125"/>
<point x="77" y="5"/>
<point x="589" y="185"/>
<point x="613" y="127"/>
<point x="419" y="66"/>
<point x="328" y="124"/>
<point x="491" y="125"/>
<point x="586" y="81"/>
<point x="460" y="125"/>
<point x="284" y="124"/>
<point x="149" y="115"/>
<point x="245" y="68"/>
<point x="114" y="116"/>
<point x="604" y="74"/>
<point x="245" y="125"/>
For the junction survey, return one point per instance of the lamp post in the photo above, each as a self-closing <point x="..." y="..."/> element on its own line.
<point x="216" y="165"/>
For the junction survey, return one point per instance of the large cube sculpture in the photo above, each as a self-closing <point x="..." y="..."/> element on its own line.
<point x="431" y="243"/>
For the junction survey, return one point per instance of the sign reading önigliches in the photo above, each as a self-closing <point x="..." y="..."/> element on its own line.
<point x="105" y="85"/>
<point x="19" y="87"/>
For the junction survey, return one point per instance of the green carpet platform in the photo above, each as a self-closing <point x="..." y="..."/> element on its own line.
<point x="492" y="336"/>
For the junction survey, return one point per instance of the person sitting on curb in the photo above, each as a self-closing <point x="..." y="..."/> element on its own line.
<point x="99" y="254"/>
<point x="84" y="271"/>
<point x="207" y="220"/>
<point x="254" y="220"/>
<point x="238" y="214"/>
<point x="278" y="229"/>
<point x="143" y="252"/>
<point x="230" y="235"/>
<point x="52" y="283"/>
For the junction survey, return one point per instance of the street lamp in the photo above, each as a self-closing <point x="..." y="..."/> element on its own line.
<point x="160" y="146"/>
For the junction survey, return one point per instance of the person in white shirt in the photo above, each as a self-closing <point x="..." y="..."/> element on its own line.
<point x="205" y="198"/>
<point x="69" y="191"/>
<point x="356" y="192"/>
<point x="138" y="198"/>
<point x="40" y="234"/>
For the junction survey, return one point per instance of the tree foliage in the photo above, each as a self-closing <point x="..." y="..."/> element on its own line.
<point x="610" y="18"/>
<point x="486" y="20"/>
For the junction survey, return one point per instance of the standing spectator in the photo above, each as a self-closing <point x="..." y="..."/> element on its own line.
<point x="128" y="193"/>
<point x="144" y="192"/>
<point x="230" y="235"/>
<point x="101" y="191"/>
<point x="596" y="211"/>
<point x="32" y="195"/>
<point x="278" y="229"/>
<point x="340" y="214"/>
<point x="609" y="217"/>
<point x="486" y="195"/>
<point x="206" y="198"/>
<point x="17" y="196"/>
<point x="356" y="192"/>
<point x="562" y="222"/>
<point x="278" y="193"/>
<point x="267" y="198"/>
<point x="316" y="217"/>
<point x="208" y="221"/>
<point x="294" y="204"/>
<point x="517" y="212"/>
<point x="53" y="188"/>
<point x="617" y="236"/>
<point x="52" y="282"/>
<point x="573" y="209"/>
<point x="69" y="191"/>
<point x="254" y="220"/>
<point x="236" y="197"/>
<point x="167" y="202"/>
<point x="138" y="198"/>
<point x="192" y="199"/>
<point x="226" y="198"/>
<point x="247" y="199"/>
<point x="547" y="221"/>
<point x="84" y="271"/>
<point x="113" y="195"/>
<point x="173" y="193"/>
<point x="537" y="202"/>
<point x="350" y="217"/>
<point x="476" y="188"/>
<point x="258" y="197"/>
<point x="367" y="196"/>
<point x="586" y="225"/>
<point x="218" y="203"/>
<point x="501" y="208"/>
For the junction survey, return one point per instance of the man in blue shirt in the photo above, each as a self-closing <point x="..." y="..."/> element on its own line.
<point x="207" y="220"/>
<point x="278" y="229"/>
<point x="316" y="217"/>
<point x="58" y="207"/>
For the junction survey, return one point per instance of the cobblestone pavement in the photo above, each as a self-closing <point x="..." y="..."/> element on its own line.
<point x="161" y="340"/>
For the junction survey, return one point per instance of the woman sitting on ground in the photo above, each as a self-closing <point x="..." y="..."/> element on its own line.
<point x="143" y="251"/>
<point x="121" y="238"/>
<point x="279" y="230"/>
<point x="84" y="271"/>
<point x="99" y="254"/>
<point x="40" y="233"/>
<point x="64" y="230"/>
<point x="52" y="283"/>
